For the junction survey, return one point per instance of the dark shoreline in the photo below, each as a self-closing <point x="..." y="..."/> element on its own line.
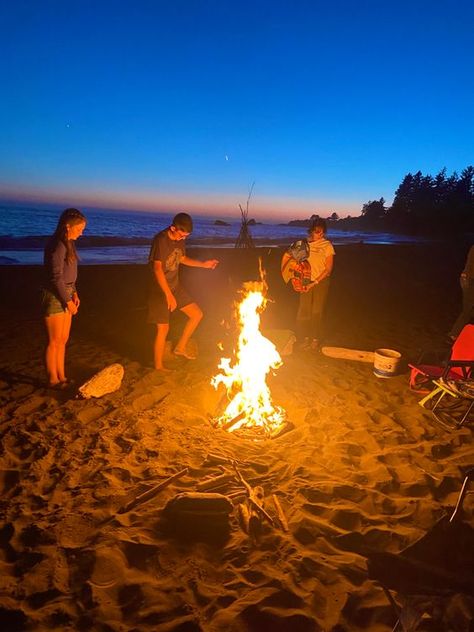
<point x="37" y="242"/>
<point x="136" y="254"/>
<point x="412" y="287"/>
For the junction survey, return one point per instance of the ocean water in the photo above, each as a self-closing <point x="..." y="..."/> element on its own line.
<point x="113" y="236"/>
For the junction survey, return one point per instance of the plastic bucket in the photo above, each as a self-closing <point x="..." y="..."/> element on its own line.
<point x="386" y="362"/>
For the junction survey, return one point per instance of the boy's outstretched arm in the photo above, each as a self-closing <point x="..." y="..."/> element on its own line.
<point x="210" y="264"/>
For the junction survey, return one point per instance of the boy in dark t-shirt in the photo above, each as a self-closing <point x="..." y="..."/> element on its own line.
<point x="167" y="253"/>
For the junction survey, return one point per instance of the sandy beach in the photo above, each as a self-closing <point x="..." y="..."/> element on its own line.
<point x="363" y="465"/>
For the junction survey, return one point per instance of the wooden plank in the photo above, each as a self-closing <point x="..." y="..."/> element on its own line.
<point x="348" y="354"/>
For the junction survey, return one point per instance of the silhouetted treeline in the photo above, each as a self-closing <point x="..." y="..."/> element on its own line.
<point x="423" y="205"/>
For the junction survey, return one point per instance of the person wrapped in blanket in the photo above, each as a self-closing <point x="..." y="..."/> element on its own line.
<point x="309" y="265"/>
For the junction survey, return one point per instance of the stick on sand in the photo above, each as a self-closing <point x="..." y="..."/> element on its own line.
<point x="149" y="494"/>
<point x="280" y="514"/>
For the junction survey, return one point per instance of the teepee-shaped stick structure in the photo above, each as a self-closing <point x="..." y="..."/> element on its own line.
<point x="244" y="240"/>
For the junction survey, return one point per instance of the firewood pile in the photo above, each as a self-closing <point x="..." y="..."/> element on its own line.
<point x="248" y="429"/>
<point x="206" y="511"/>
<point x="251" y="431"/>
<point x="250" y="501"/>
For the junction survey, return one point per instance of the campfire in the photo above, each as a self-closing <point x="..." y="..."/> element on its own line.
<point x="250" y="402"/>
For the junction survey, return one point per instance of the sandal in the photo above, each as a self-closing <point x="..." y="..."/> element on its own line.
<point x="184" y="354"/>
<point x="58" y="386"/>
<point x="304" y="345"/>
<point x="314" y="345"/>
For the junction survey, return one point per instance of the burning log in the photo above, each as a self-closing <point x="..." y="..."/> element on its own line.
<point x="229" y="425"/>
<point x="221" y="404"/>
<point x="281" y="430"/>
<point x="151" y="493"/>
<point x="281" y="516"/>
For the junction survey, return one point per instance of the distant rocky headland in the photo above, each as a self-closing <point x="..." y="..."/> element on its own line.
<point x="298" y="222"/>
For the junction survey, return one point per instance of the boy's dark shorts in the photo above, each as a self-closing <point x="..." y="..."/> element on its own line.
<point x="158" y="311"/>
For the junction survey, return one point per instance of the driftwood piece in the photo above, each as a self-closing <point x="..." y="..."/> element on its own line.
<point x="151" y="493"/>
<point x="216" y="481"/>
<point x="256" y="506"/>
<point x="254" y="496"/>
<point x="236" y="493"/>
<point x="217" y="459"/>
<point x="348" y="354"/>
<point x="244" y="517"/>
<point x="106" y="381"/>
<point x="281" y="516"/>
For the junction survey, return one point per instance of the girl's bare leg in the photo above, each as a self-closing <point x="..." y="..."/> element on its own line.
<point x="58" y="327"/>
<point x="61" y="357"/>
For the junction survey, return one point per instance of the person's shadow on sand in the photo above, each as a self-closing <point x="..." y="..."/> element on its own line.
<point x="13" y="378"/>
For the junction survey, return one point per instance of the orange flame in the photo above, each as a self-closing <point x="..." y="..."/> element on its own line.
<point x="245" y="380"/>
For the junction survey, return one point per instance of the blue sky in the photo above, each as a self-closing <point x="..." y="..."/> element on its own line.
<point x="184" y="104"/>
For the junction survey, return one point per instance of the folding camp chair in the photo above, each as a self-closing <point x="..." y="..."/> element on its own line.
<point x="457" y="367"/>
<point x="423" y="581"/>
<point x="455" y="410"/>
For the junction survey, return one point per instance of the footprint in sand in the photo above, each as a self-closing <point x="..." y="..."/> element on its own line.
<point x="31" y="405"/>
<point x="90" y="413"/>
<point x="8" y="480"/>
<point x="74" y="531"/>
<point x="109" y="567"/>
<point x="342" y="384"/>
<point x="346" y="519"/>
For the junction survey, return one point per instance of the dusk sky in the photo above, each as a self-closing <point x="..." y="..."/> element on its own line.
<point x="183" y="104"/>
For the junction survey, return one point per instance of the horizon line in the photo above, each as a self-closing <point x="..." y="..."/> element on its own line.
<point x="276" y="209"/>
<point x="25" y="203"/>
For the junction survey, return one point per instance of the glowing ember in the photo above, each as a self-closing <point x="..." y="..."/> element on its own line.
<point x="245" y="381"/>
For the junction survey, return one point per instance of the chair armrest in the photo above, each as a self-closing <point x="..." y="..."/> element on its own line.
<point x="460" y="363"/>
<point x="435" y="355"/>
<point x="465" y="365"/>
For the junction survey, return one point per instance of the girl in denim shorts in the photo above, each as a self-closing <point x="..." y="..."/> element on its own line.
<point x="60" y="301"/>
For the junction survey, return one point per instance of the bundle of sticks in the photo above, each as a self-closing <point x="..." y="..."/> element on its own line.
<point x="231" y="485"/>
<point x="251" y="500"/>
